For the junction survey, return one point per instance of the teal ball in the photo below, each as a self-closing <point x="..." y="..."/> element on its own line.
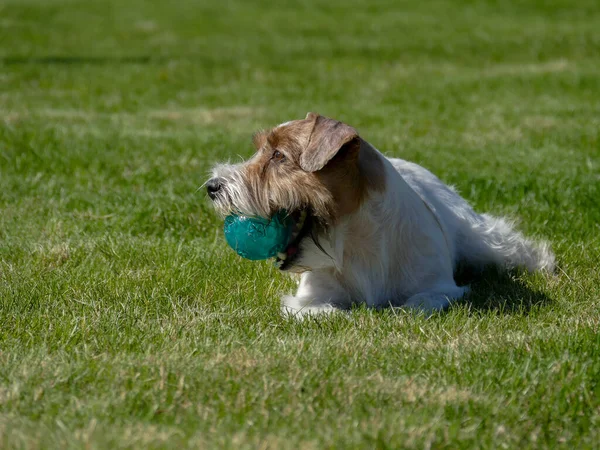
<point x="257" y="238"/>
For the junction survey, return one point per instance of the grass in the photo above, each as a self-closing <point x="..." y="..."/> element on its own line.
<point x="125" y="322"/>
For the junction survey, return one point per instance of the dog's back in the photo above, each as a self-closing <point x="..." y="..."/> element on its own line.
<point x="479" y="239"/>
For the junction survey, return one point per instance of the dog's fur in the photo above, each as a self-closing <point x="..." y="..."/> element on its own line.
<point x="381" y="231"/>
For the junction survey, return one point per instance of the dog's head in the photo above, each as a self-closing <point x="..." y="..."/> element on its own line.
<point x="313" y="168"/>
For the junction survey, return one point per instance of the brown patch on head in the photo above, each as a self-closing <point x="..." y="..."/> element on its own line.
<point x="326" y="139"/>
<point x="316" y="163"/>
<point x="293" y="136"/>
<point x="259" y="139"/>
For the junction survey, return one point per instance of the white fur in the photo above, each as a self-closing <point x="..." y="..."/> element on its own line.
<point x="402" y="248"/>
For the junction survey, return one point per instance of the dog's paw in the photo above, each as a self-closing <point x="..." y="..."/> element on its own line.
<point x="430" y="302"/>
<point x="303" y="307"/>
<point x="427" y="303"/>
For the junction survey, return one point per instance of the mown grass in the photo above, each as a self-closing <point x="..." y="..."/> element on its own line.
<point x="126" y="322"/>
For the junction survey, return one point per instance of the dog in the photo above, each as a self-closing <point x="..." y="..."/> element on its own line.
<point x="369" y="229"/>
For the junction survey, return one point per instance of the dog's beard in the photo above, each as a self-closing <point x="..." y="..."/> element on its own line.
<point x="237" y="195"/>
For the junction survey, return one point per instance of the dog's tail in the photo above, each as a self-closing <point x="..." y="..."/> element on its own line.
<point x="494" y="241"/>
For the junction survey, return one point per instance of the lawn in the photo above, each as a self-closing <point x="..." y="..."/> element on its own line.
<point x="126" y="322"/>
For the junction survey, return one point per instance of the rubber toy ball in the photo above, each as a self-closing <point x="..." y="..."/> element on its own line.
<point x="257" y="238"/>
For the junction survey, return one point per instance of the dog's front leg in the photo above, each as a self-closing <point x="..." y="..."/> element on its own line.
<point x="318" y="293"/>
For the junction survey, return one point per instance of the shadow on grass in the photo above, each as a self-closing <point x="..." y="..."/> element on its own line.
<point x="503" y="292"/>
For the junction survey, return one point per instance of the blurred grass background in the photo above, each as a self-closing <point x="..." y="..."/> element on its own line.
<point x="126" y="322"/>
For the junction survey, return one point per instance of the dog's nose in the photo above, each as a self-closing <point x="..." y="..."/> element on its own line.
<point x="213" y="186"/>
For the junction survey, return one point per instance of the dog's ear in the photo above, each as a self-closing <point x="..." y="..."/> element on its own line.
<point x="327" y="137"/>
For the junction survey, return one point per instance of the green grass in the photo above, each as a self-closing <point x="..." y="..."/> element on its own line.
<point x="126" y="322"/>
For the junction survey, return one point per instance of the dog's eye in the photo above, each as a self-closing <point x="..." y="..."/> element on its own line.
<point x="277" y="156"/>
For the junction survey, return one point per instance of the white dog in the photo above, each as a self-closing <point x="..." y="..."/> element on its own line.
<point x="370" y="230"/>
